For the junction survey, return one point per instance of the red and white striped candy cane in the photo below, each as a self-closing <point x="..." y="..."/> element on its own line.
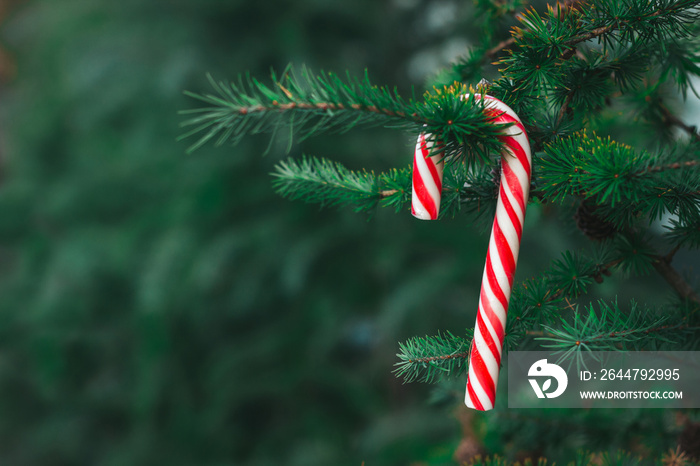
<point x="502" y="255"/>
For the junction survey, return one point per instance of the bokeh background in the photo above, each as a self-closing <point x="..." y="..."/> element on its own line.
<point x="164" y="308"/>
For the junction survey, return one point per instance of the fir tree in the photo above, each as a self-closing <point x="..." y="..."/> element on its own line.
<point x="593" y="83"/>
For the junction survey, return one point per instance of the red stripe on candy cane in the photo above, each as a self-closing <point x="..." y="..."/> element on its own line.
<point x="437" y="177"/>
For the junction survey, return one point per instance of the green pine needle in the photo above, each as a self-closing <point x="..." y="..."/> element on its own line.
<point x="572" y="274"/>
<point x="330" y="184"/>
<point x="429" y="359"/>
<point x="606" y="329"/>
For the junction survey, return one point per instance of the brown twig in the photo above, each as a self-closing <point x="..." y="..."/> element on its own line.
<point x="669" y="257"/>
<point x="495" y="50"/>
<point x="564" y="107"/>
<point x="569" y="53"/>
<point x="675" y="121"/>
<point x="597" y="32"/>
<point x="675" y="280"/>
<point x="602" y="270"/>
<point x="627" y="332"/>
<point x="673" y="166"/>
<point x="319" y="106"/>
<point x="444" y="357"/>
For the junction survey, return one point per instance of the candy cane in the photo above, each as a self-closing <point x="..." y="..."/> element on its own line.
<point x="504" y="245"/>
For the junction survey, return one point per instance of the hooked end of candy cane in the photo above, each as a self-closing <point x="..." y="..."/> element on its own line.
<point x="478" y="396"/>
<point x="486" y="405"/>
<point x="426" y="181"/>
<point x="471" y="405"/>
<point x="421" y="213"/>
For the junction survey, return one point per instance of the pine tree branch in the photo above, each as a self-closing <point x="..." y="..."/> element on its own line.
<point x="429" y="359"/>
<point x="680" y="8"/>
<point x="618" y="180"/>
<point x="323" y="106"/>
<point x="307" y="104"/>
<point x="673" y="166"/>
<point x="619" y="24"/>
<point x="328" y="183"/>
<point x="611" y="335"/>
<point x="610" y="329"/>
<point x="651" y="169"/>
<point x="623" y="334"/>
<point x="311" y="104"/>
<point x="596" y="274"/>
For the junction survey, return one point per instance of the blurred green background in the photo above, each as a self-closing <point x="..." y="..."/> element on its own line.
<point x="163" y="308"/>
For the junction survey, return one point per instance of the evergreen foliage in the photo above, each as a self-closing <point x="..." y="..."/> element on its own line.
<point x="159" y="308"/>
<point x="619" y="458"/>
<point x="329" y="183"/>
<point x="165" y="309"/>
<point x="437" y="355"/>
<point x="591" y="82"/>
